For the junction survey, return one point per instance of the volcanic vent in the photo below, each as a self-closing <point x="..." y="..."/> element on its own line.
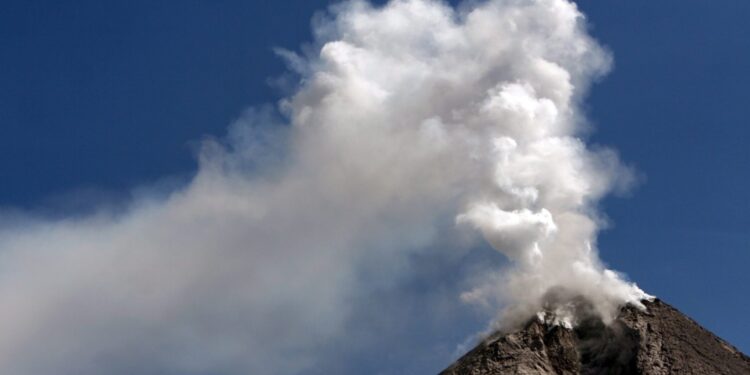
<point x="659" y="340"/>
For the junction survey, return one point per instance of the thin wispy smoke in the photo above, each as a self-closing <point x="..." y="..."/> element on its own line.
<point x="415" y="125"/>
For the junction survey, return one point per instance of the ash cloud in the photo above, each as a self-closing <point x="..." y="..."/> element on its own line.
<point x="414" y="125"/>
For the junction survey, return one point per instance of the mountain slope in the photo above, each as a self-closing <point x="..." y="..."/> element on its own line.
<point x="658" y="341"/>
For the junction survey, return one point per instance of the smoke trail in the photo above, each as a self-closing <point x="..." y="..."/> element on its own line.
<point x="413" y="123"/>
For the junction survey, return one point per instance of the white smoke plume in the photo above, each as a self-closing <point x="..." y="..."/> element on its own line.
<point x="414" y="124"/>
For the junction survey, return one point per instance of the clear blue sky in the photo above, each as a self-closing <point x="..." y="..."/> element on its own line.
<point x="105" y="96"/>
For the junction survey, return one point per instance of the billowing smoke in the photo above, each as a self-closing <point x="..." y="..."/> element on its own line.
<point x="414" y="125"/>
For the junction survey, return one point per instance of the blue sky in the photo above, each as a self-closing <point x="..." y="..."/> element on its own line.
<point x="97" y="99"/>
<point x="675" y="107"/>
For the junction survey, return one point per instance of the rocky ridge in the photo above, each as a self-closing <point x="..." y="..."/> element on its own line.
<point x="657" y="341"/>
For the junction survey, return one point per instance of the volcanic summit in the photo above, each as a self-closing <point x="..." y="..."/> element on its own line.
<point x="657" y="340"/>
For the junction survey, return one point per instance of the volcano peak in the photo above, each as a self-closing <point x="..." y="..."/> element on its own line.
<point x="657" y="340"/>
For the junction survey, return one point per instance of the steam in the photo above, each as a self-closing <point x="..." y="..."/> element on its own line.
<point x="414" y="125"/>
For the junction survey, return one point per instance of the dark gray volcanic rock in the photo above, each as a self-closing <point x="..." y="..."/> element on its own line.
<point x="658" y="341"/>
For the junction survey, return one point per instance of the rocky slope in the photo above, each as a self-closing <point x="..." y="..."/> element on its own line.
<point x="658" y="341"/>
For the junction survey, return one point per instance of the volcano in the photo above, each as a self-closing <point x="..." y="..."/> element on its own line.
<point x="657" y="340"/>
